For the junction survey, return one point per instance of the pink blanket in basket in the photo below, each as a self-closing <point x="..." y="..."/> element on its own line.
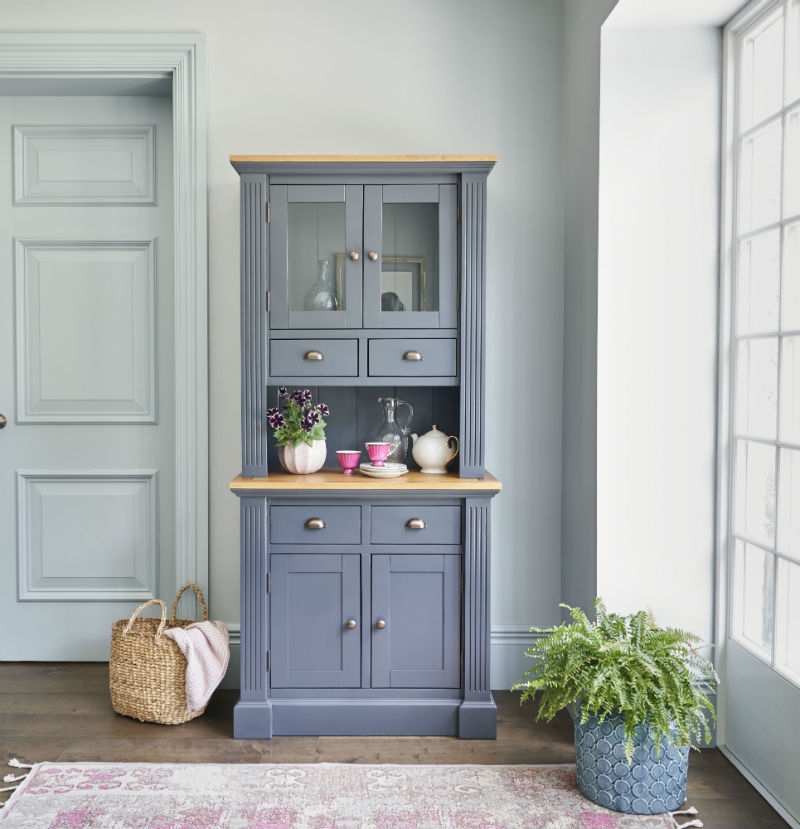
<point x="207" y="651"/>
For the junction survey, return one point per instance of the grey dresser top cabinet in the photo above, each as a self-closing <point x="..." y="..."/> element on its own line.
<point x="364" y="602"/>
<point x="393" y="232"/>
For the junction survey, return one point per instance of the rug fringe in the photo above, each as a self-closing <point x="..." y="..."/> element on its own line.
<point x="692" y="824"/>
<point x="9" y="778"/>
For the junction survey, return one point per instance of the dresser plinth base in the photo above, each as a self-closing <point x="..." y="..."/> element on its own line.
<point x="478" y="720"/>
<point x="252" y="720"/>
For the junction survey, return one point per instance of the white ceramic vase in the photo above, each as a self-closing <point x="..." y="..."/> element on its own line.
<point x="303" y="459"/>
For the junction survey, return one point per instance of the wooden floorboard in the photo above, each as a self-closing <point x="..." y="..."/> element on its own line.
<point x="62" y="712"/>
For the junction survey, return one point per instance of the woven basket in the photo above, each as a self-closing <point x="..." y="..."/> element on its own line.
<point x="147" y="671"/>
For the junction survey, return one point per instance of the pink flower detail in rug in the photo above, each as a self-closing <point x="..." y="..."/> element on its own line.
<point x="595" y="820"/>
<point x="474" y="820"/>
<point x="562" y="778"/>
<point x="200" y="817"/>
<point x="395" y="821"/>
<point x="273" y="819"/>
<point x="149" y="778"/>
<point x="74" y="820"/>
<point x="101" y="779"/>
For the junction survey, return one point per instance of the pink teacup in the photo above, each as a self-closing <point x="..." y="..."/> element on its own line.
<point x="348" y="459"/>
<point x="378" y="452"/>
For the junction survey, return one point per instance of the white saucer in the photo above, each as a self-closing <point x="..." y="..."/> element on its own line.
<point x="388" y="470"/>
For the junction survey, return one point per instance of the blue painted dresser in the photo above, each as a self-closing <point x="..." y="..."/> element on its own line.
<point x="365" y="602"/>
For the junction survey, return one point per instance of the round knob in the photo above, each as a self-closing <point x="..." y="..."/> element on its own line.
<point x="354" y="255"/>
<point x="372" y="255"/>
<point x="3" y="421"/>
<point x="380" y="624"/>
<point x="351" y="624"/>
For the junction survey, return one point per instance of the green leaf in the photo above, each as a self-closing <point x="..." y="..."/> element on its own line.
<point x="625" y="664"/>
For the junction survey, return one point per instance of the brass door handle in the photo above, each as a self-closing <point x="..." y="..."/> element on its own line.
<point x="416" y="524"/>
<point x="372" y="255"/>
<point x="412" y="356"/>
<point x="313" y="355"/>
<point x="3" y="421"/>
<point x="315" y="524"/>
<point x="351" y="624"/>
<point x="354" y="255"/>
<point x="380" y="624"/>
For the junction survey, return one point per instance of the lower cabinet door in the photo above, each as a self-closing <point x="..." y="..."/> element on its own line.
<point x="416" y="621"/>
<point x="312" y="600"/>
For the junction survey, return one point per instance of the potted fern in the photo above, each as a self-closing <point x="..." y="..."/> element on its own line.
<point x="638" y="695"/>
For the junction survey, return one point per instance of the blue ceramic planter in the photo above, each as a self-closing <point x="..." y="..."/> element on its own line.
<point x="649" y="785"/>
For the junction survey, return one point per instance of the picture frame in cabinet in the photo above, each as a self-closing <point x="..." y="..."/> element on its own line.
<point x="405" y="277"/>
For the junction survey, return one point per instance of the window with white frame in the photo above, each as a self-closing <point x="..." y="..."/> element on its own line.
<point x="764" y="504"/>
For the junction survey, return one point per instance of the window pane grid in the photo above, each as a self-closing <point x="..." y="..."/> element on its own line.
<point x="764" y="527"/>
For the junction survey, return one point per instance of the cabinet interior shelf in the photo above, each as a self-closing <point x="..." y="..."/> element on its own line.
<point x="334" y="480"/>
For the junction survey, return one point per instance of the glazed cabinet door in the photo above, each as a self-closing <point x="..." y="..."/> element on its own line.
<point x="416" y="621"/>
<point x="410" y="277"/>
<point x="315" y="621"/>
<point x="315" y="238"/>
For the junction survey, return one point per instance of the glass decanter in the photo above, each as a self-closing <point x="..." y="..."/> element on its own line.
<point x="321" y="295"/>
<point x="390" y="431"/>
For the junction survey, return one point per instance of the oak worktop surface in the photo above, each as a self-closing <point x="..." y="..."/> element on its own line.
<point x="327" y="480"/>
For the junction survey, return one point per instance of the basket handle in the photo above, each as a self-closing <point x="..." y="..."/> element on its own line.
<point x="199" y="596"/>
<point x="141" y="607"/>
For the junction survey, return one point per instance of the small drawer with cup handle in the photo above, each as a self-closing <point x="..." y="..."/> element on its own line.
<point x="314" y="524"/>
<point x="412" y="357"/>
<point x="313" y="358"/>
<point x="415" y="525"/>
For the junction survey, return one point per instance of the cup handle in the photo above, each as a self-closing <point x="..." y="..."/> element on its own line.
<point x="452" y="457"/>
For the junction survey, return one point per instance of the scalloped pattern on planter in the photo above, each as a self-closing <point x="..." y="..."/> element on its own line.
<point x="652" y="783"/>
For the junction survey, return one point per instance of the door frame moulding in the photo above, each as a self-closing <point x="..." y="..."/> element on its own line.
<point x="146" y="56"/>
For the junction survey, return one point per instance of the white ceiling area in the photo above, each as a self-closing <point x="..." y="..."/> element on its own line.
<point x="669" y="13"/>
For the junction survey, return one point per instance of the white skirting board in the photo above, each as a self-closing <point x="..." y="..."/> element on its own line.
<point x="509" y="663"/>
<point x="508" y="643"/>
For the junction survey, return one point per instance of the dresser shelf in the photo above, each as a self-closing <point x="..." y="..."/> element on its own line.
<point x="333" y="481"/>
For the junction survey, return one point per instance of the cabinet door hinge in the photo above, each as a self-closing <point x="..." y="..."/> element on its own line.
<point x="269" y="582"/>
<point x="269" y="300"/>
<point x="269" y="212"/>
<point x="269" y="660"/>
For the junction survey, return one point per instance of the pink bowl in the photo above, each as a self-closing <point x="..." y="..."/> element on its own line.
<point x="348" y="459"/>
<point x="378" y="452"/>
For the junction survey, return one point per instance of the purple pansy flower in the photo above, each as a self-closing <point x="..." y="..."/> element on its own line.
<point x="298" y="395"/>
<point x="306" y="424"/>
<point x="312" y="416"/>
<point x="307" y="395"/>
<point x="272" y="411"/>
<point x="277" y="420"/>
<point x="282" y="391"/>
<point x="323" y="410"/>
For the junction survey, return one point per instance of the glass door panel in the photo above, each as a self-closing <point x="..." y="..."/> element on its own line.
<point x="315" y="267"/>
<point x="410" y="248"/>
<point x="316" y="236"/>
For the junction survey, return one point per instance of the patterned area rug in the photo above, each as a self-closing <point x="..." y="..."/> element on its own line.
<point x="319" y="796"/>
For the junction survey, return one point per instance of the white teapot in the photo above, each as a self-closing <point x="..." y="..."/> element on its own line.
<point x="433" y="452"/>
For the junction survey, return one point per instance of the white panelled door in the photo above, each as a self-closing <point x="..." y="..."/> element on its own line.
<point x="86" y="369"/>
